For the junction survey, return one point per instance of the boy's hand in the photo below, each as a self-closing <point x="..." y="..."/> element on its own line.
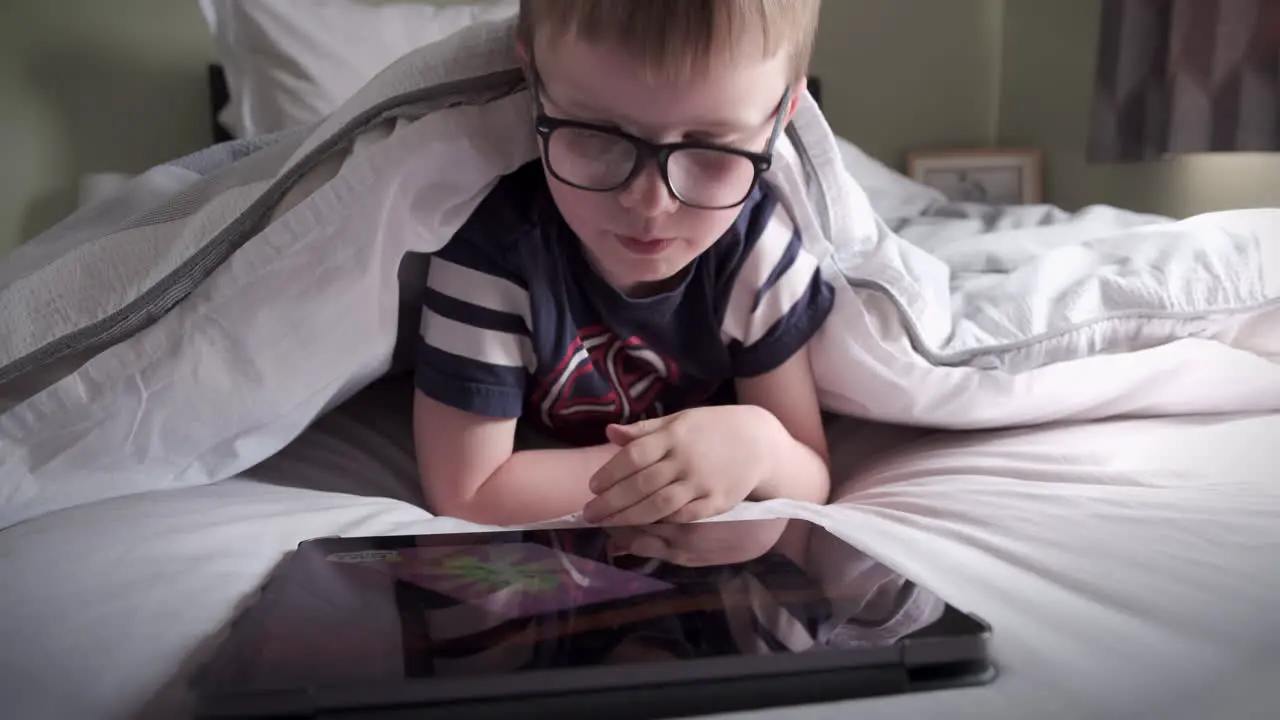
<point x="685" y="467"/>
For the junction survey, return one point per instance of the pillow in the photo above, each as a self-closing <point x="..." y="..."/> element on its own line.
<point x="893" y="196"/>
<point x="290" y="63"/>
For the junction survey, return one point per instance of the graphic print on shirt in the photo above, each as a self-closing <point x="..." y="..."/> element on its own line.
<point x="604" y="379"/>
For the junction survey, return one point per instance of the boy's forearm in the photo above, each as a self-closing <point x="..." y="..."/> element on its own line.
<point x="534" y="486"/>
<point x="798" y="473"/>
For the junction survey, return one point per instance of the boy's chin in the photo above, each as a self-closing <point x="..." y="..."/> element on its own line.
<point x="634" y="274"/>
<point x="636" y="279"/>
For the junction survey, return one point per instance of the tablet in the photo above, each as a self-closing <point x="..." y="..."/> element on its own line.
<point x="622" y="622"/>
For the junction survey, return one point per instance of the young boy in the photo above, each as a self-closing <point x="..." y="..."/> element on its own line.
<point x="609" y="291"/>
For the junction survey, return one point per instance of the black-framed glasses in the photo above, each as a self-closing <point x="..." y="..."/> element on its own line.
<point x="599" y="158"/>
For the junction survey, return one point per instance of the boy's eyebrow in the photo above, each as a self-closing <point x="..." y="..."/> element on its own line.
<point x="710" y="126"/>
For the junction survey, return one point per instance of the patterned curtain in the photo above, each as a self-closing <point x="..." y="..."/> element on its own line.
<point x="1183" y="76"/>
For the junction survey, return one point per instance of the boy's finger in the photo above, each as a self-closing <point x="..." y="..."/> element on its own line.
<point x="629" y="492"/>
<point x="700" y="509"/>
<point x="636" y="430"/>
<point x="656" y="506"/>
<point x="645" y="452"/>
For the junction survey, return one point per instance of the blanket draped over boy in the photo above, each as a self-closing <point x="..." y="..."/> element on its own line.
<point x="200" y="320"/>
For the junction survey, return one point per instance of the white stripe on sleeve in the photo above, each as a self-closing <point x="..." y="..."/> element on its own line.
<point x="488" y="346"/>
<point x="477" y="288"/>
<point x="765" y="256"/>
<point x="781" y="298"/>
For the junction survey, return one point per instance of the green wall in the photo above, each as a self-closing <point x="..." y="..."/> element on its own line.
<point x="93" y="86"/>
<point x="1045" y="100"/>
<point x="901" y="75"/>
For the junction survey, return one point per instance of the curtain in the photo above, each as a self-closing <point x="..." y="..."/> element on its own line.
<point x="1184" y="76"/>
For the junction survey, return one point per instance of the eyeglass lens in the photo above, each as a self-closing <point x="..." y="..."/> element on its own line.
<point x="595" y="160"/>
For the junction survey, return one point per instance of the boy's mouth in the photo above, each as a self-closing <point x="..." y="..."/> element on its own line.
<point x="645" y="246"/>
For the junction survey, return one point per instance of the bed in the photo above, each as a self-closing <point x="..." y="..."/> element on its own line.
<point x="1126" y="563"/>
<point x="1128" y="567"/>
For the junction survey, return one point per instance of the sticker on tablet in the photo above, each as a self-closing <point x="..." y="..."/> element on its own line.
<point x="366" y="556"/>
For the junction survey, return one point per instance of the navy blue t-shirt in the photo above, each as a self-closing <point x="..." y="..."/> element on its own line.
<point x="516" y="323"/>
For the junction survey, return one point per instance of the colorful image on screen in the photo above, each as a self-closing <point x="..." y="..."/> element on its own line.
<point x="511" y="580"/>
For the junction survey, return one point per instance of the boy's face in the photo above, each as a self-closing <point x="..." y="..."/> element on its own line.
<point x="639" y="236"/>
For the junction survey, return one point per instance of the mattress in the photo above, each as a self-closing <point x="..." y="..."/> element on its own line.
<point x="1128" y="566"/>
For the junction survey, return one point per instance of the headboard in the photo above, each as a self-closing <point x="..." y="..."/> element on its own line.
<point x="219" y="96"/>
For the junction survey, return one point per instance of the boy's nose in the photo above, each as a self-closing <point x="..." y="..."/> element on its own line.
<point x="648" y="194"/>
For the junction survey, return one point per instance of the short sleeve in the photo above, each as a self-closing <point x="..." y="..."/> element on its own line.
<point x="779" y="298"/>
<point x="474" y="348"/>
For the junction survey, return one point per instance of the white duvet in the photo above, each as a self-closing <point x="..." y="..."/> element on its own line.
<point x="1128" y="567"/>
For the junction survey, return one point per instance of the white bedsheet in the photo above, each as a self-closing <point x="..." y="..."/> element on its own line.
<point x="1128" y="566"/>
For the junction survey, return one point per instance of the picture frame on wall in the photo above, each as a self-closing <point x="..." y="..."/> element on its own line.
<point x="999" y="176"/>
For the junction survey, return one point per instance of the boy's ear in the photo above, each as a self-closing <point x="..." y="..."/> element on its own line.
<point x="797" y="91"/>
<point x="522" y="53"/>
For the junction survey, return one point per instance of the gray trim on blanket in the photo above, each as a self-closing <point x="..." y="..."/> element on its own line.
<point x="1144" y="316"/>
<point x="813" y="180"/>
<point x="251" y="168"/>
<point x="164" y="295"/>
<point x="217" y="157"/>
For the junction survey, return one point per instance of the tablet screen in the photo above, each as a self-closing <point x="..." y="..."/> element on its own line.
<point x="375" y="610"/>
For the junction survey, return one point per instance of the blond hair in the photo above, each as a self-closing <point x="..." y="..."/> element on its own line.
<point x="677" y="38"/>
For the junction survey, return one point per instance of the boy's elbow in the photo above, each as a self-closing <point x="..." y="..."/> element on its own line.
<point x="477" y="499"/>
<point x="460" y="506"/>
<point x="458" y="454"/>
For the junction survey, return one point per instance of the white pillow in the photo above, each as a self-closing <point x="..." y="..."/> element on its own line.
<point x="893" y="196"/>
<point x="292" y="62"/>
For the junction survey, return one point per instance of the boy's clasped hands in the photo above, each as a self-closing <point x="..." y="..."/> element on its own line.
<point x="685" y="467"/>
